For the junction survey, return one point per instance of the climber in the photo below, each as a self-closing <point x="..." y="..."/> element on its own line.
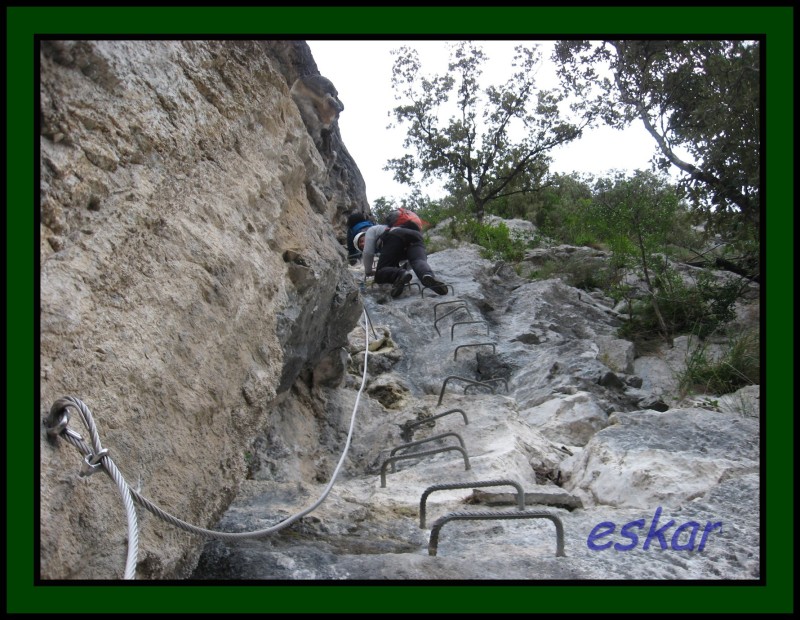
<point x="397" y="244"/>
<point x="356" y="222"/>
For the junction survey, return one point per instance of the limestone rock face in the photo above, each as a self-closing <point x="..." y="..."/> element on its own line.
<point x="641" y="494"/>
<point x="649" y="458"/>
<point x="192" y="273"/>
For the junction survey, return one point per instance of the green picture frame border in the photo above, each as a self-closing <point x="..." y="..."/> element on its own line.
<point x="24" y="24"/>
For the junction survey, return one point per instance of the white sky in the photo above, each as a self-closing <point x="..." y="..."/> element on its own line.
<point x="361" y="71"/>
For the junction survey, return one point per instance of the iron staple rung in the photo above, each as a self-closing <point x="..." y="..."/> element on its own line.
<point x="469" y="485"/>
<point x="426" y="440"/>
<point x="408" y="432"/>
<point x="433" y="543"/>
<point x="474" y="344"/>
<point x="470" y="381"/>
<point x="445" y="303"/>
<point x="444" y="316"/>
<point x="414" y="455"/>
<point x="488" y="381"/>
<point x="453" y="327"/>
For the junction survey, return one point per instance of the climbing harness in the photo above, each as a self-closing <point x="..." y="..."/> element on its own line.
<point x="97" y="458"/>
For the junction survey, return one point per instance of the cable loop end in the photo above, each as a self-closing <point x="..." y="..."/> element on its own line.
<point x="58" y="418"/>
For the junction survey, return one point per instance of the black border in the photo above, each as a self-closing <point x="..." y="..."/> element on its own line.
<point x="23" y="24"/>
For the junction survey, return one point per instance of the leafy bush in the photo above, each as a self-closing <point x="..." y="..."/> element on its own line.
<point x="738" y="367"/>
<point x="545" y="271"/>
<point x="588" y="275"/>
<point x="701" y="309"/>
<point x="496" y="240"/>
<point x="581" y="273"/>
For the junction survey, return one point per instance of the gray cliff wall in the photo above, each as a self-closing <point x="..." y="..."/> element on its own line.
<point x="192" y="276"/>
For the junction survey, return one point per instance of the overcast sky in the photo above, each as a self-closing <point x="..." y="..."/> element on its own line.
<point x="362" y="70"/>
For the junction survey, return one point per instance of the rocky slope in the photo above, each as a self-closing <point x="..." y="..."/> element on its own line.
<point x="570" y="430"/>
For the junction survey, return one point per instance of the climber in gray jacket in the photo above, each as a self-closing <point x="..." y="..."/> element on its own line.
<point x="395" y="245"/>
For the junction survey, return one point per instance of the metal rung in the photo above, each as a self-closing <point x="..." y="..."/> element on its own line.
<point x="461" y="516"/>
<point x="414" y="455"/>
<point x="426" y="440"/>
<point x="445" y="303"/>
<point x="477" y="344"/>
<point x="410" y="284"/>
<point x="441" y="393"/>
<point x="444" y="316"/>
<point x="452" y="329"/>
<point x="408" y="432"/>
<point x="495" y="380"/>
<point x="469" y="485"/>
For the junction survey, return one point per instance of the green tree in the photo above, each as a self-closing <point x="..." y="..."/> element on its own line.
<point x="382" y="207"/>
<point x="701" y="102"/>
<point x="475" y="150"/>
<point x="636" y="215"/>
<point x="559" y="210"/>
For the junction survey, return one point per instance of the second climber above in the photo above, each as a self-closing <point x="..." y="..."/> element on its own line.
<point x="395" y="245"/>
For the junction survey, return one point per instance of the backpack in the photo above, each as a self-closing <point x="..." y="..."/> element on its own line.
<point x="402" y="216"/>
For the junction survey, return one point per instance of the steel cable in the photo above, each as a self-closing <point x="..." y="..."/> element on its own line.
<point x="97" y="458"/>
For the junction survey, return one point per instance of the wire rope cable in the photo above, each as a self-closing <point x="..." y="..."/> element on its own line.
<point x="96" y="458"/>
<point x="289" y="520"/>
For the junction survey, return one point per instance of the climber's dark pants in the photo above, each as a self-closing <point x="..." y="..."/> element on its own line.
<point x="400" y="244"/>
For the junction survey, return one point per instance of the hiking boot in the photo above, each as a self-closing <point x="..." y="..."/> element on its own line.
<point x="400" y="283"/>
<point x="440" y="288"/>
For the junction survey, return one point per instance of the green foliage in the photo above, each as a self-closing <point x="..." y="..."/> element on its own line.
<point x="381" y="208"/>
<point x="436" y="211"/>
<point x="738" y="367"/>
<point x="581" y="273"/>
<point x="545" y="271"/>
<point x="634" y="214"/>
<point x="701" y="102"/>
<point x="701" y="308"/>
<point x="496" y="240"/>
<point x="475" y="150"/>
<point x="559" y="209"/>
<point x="587" y="275"/>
